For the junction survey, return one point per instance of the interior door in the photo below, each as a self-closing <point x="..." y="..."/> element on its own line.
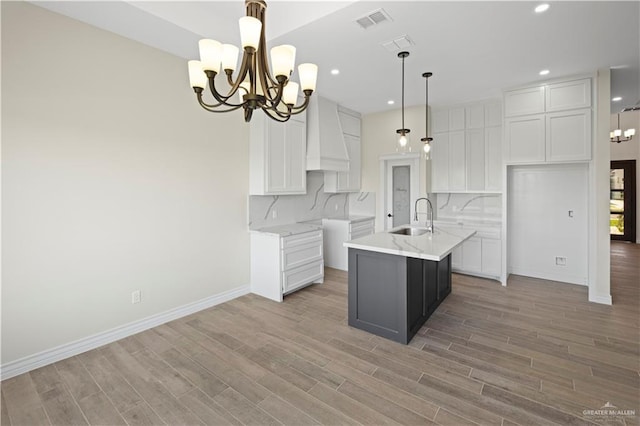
<point x="622" y="205"/>
<point x="401" y="195"/>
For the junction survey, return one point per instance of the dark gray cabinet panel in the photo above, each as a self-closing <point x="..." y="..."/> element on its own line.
<point x="392" y="296"/>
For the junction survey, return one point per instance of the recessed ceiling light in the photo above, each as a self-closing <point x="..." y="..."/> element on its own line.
<point x="335" y="71"/>
<point x="544" y="72"/>
<point x="542" y="7"/>
<point x="391" y="102"/>
<point x="617" y="99"/>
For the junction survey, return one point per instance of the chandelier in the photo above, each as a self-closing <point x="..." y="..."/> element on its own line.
<point x="427" y="140"/>
<point x="255" y="85"/>
<point x="403" y="139"/>
<point x="615" y="135"/>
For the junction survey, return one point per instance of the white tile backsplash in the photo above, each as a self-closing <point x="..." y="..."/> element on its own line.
<point x="314" y="205"/>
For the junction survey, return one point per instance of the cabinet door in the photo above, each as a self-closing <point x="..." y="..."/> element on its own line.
<point x="493" y="158"/>
<point x="440" y="162"/>
<point x="456" y="119"/>
<point x="475" y="116"/>
<point x="568" y="136"/>
<point x="276" y="157"/>
<point x="568" y="95"/>
<point x="457" y="172"/>
<point x="440" y="122"/>
<point x="493" y="114"/>
<point x="491" y="257"/>
<point x="472" y="255"/>
<point x="475" y="159"/>
<point x="525" y="139"/>
<point x="295" y="170"/>
<point x="416" y="296"/>
<point x="524" y="101"/>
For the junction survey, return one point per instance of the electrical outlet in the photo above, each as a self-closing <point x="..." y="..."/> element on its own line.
<point x="135" y="297"/>
<point x="274" y="214"/>
<point x="561" y="261"/>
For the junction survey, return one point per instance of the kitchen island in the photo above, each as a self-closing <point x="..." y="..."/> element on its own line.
<point x="397" y="281"/>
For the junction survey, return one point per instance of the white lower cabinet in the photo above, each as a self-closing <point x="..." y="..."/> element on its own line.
<point x="336" y="232"/>
<point x="282" y="264"/>
<point x="480" y="255"/>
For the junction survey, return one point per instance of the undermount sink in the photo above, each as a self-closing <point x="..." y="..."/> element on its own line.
<point x="409" y="231"/>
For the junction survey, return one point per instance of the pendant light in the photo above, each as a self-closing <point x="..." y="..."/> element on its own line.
<point x="615" y="135"/>
<point x="426" y="149"/>
<point x="403" y="133"/>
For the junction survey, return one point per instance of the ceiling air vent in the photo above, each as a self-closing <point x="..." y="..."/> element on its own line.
<point x="398" y="43"/>
<point x="373" y="18"/>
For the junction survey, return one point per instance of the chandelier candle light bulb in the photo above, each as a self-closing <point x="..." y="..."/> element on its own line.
<point x="258" y="85"/>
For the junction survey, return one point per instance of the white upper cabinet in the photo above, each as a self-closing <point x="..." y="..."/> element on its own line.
<point x="467" y="152"/>
<point x="475" y="117"/>
<point x="568" y="95"/>
<point x="524" y="101"/>
<point x="277" y="156"/>
<point x="475" y="164"/>
<point x="456" y="119"/>
<point x="440" y="122"/>
<point x="525" y="138"/>
<point x="326" y="149"/>
<point x="493" y="114"/>
<point x="347" y="181"/>
<point x="549" y="123"/>
<point x="566" y="133"/>
<point x="440" y="162"/>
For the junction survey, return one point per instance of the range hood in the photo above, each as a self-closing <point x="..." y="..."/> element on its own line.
<point x="326" y="148"/>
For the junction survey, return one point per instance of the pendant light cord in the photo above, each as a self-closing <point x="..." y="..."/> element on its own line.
<point x="403" y="95"/>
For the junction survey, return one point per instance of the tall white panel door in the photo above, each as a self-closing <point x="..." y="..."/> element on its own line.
<point x="493" y="114"/>
<point x="475" y="159"/>
<point x="440" y="162"/>
<point x="457" y="163"/>
<point x="525" y="139"/>
<point x="548" y="226"/>
<point x="568" y="135"/>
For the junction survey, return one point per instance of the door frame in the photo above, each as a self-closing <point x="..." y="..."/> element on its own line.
<point x="629" y="167"/>
<point x="413" y="161"/>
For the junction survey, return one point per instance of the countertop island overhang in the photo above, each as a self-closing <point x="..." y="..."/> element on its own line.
<point x="397" y="281"/>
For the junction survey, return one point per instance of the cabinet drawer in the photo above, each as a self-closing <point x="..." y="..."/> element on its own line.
<point x="358" y="227"/>
<point x="292" y="257"/>
<point x="301" y="239"/>
<point x="298" y="277"/>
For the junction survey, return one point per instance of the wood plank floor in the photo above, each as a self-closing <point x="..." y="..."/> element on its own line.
<point x="533" y="353"/>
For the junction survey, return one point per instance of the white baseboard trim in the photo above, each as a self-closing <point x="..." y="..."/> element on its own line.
<point x="550" y="276"/>
<point x="49" y="356"/>
<point x="604" y="299"/>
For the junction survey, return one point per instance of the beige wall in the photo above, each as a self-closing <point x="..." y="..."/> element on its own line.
<point x="113" y="180"/>
<point x="629" y="150"/>
<point x="379" y="138"/>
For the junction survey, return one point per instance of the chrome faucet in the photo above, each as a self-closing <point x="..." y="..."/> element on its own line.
<point x="429" y="213"/>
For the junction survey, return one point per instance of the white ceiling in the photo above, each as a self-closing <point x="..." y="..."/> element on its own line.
<point x="474" y="49"/>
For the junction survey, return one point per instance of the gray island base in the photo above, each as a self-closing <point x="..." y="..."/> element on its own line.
<point x="397" y="279"/>
<point x="392" y="296"/>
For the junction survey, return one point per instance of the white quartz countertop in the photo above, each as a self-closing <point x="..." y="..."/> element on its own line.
<point x="430" y="246"/>
<point x="289" y="229"/>
<point x="351" y="218"/>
